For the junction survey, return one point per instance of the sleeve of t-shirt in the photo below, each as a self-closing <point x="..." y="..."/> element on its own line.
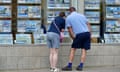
<point x="86" y="20"/>
<point x="68" y="24"/>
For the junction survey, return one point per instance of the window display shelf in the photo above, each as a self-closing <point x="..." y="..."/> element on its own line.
<point x="93" y="14"/>
<point x="54" y="7"/>
<point x="112" y="21"/>
<point x="23" y="19"/>
<point x="6" y="36"/>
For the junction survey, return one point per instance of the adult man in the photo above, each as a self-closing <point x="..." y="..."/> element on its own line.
<point x="79" y="30"/>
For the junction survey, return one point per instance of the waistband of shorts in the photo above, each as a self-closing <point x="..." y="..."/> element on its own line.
<point x="82" y="33"/>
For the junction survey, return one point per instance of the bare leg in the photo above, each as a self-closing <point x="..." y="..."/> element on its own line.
<point x="55" y="57"/>
<point x="83" y="56"/>
<point x="51" y="57"/>
<point x="71" y="58"/>
<point x="72" y="53"/>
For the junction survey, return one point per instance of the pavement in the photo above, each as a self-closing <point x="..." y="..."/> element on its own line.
<point x="87" y="69"/>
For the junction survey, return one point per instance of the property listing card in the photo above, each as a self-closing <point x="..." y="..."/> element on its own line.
<point x="113" y="26"/>
<point x="23" y="39"/>
<point x="5" y="11"/>
<point x="95" y="29"/>
<point x="113" y="12"/>
<point x="112" y="38"/>
<point x="5" y="1"/>
<point x="92" y="4"/>
<point x="39" y="38"/>
<point x="112" y="1"/>
<point x="93" y="16"/>
<point x="6" y="39"/>
<point x="29" y="12"/>
<point x="58" y="3"/>
<point x="5" y="25"/>
<point x="28" y="25"/>
<point x="29" y="1"/>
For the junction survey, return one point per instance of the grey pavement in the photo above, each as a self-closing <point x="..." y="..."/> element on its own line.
<point x="87" y="69"/>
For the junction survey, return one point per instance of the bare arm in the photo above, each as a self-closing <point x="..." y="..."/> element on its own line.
<point x="89" y="27"/>
<point x="71" y="32"/>
<point x="62" y="30"/>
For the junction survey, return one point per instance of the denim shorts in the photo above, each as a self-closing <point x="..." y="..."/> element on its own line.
<point x="53" y="40"/>
<point x="82" y="40"/>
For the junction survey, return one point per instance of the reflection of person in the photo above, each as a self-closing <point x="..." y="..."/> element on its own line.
<point x="53" y="39"/>
<point x="44" y="28"/>
<point x="79" y="30"/>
